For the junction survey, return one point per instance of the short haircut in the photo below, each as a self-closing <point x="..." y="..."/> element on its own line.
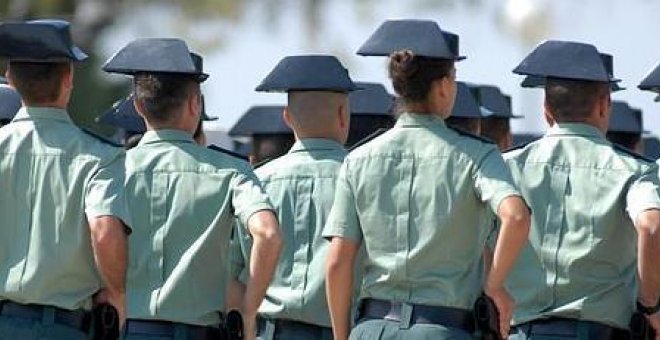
<point x="162" y="94"/>
<point x="573" y="100"/>
<point x="38" y="83"/>
<point x="495" y="128"/>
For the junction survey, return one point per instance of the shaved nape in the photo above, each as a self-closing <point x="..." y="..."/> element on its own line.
<point x="315" y="111"/>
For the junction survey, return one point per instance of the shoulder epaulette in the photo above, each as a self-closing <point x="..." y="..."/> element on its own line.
<point x="633" y="153"/>
<point x="471" y="135"/>
<point x="228" y="152"/>
<point x="369" y="138"/>
<point x="101" y="138"/>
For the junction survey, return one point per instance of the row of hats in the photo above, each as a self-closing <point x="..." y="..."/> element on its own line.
<point x="50" y="41"/>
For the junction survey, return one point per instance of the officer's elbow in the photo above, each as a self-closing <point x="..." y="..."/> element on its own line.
<point x="514" y="212"/>
<point x="106" y="231"/>
<point x="648" y="224"/>
<point x="265" y="229"/>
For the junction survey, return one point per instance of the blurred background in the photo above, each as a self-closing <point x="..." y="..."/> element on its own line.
<point x="241" y="40"/>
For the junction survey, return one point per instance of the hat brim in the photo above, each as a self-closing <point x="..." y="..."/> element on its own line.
<point x="78" y="54"/>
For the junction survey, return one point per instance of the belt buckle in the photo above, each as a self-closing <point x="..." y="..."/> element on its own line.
<point x="406" y="314"/>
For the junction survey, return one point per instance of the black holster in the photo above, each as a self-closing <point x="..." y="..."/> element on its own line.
<point x="234" y="325"/>
<point x="105" y="322"/>
<point x="640" y="328"/>
<point x="487" y="318"/>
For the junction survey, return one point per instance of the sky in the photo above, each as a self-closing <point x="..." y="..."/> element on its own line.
<point x="494" y="34"/>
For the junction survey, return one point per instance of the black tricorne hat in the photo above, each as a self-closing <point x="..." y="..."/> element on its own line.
<point x="45" y="40"/>
<point x="373" y="99"/>
<point x="465" y="104"/>
<point x="423" y="38"/>
<point x="154" y="55"/>
<point x="565" y="59"/>
<point x="261" y="120"/>
<point x="308" y="73"/>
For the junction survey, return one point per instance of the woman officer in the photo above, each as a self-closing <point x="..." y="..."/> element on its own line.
<point x="417" y="198"/>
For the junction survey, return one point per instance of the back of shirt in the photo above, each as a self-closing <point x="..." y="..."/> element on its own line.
<point x="52" y="177"/>
<point x="182" y="200"/>
<point x="418" y="197"/>
<point x="301" y="186"/>
<point x="584" y="195"/>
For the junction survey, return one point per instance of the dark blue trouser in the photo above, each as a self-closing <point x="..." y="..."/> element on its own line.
<point x="16" y="328"/>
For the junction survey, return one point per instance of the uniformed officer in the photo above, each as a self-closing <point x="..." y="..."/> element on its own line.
<point x="372" y="110"/>
<point x="467" y="113"/>
<point x="182" y="199"/>
<point x="60" y="185"/>
<point x="270" y="137"/>
<point x="595" y="209"/>
<point x="626" y="126"/>
<point x="417" y="197"/>
<point x="496" y="123"/>
<point x="301" y="185"/>
<point x="10" y="102"/>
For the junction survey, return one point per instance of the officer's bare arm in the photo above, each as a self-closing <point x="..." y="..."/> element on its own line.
<point x="266" y="247"/>
<point x="514" y="229"/>
<point x="648" y="253"/>
<point x="339" y="284"/>
<point x="110" y="244"/>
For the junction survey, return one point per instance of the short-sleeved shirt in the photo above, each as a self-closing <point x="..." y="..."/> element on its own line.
<point x="301" y="186"/>
<point x="580" y="262"/>
<point x="53" y="176"/>
<point x="182" y="201"/>
<point x="418" y="197"/>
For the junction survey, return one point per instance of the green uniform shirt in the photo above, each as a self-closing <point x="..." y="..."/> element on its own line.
<point x="581" y="258"/>
<point x="182" y="200"/>
<point x="52" y="177"/>
<point x="418" y="196"/>
<point x="301" y="185"/>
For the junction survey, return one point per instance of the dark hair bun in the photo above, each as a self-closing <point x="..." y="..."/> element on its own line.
<point x="402" y="64"/>
<point x="412" y="75"/>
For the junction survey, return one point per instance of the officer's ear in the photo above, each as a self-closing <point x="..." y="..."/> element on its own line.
<point x="286" y="116"/>
<point x="344" y="113"/>
<point x="67" y="77"/>
<point x="139" y="106"/>
<point x="194" y="103"/>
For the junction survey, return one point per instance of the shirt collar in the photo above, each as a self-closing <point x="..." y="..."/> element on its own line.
<point x="42" y="113"/>
<point x="308" y="144"/>
<point x="409" y="119"/>
<point x="169" y="135"/>
<point x="575" y="129"/>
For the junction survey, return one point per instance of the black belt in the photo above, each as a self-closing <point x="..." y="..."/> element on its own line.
<point x="168" y="329"/>
<point x="78" y="319"/>
<point x="569" y="328"/>
<point x="421" y="314"/>
<point x="283" y="323"/>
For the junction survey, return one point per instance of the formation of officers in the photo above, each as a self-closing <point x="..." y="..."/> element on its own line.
<point x="422" y="231"/>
